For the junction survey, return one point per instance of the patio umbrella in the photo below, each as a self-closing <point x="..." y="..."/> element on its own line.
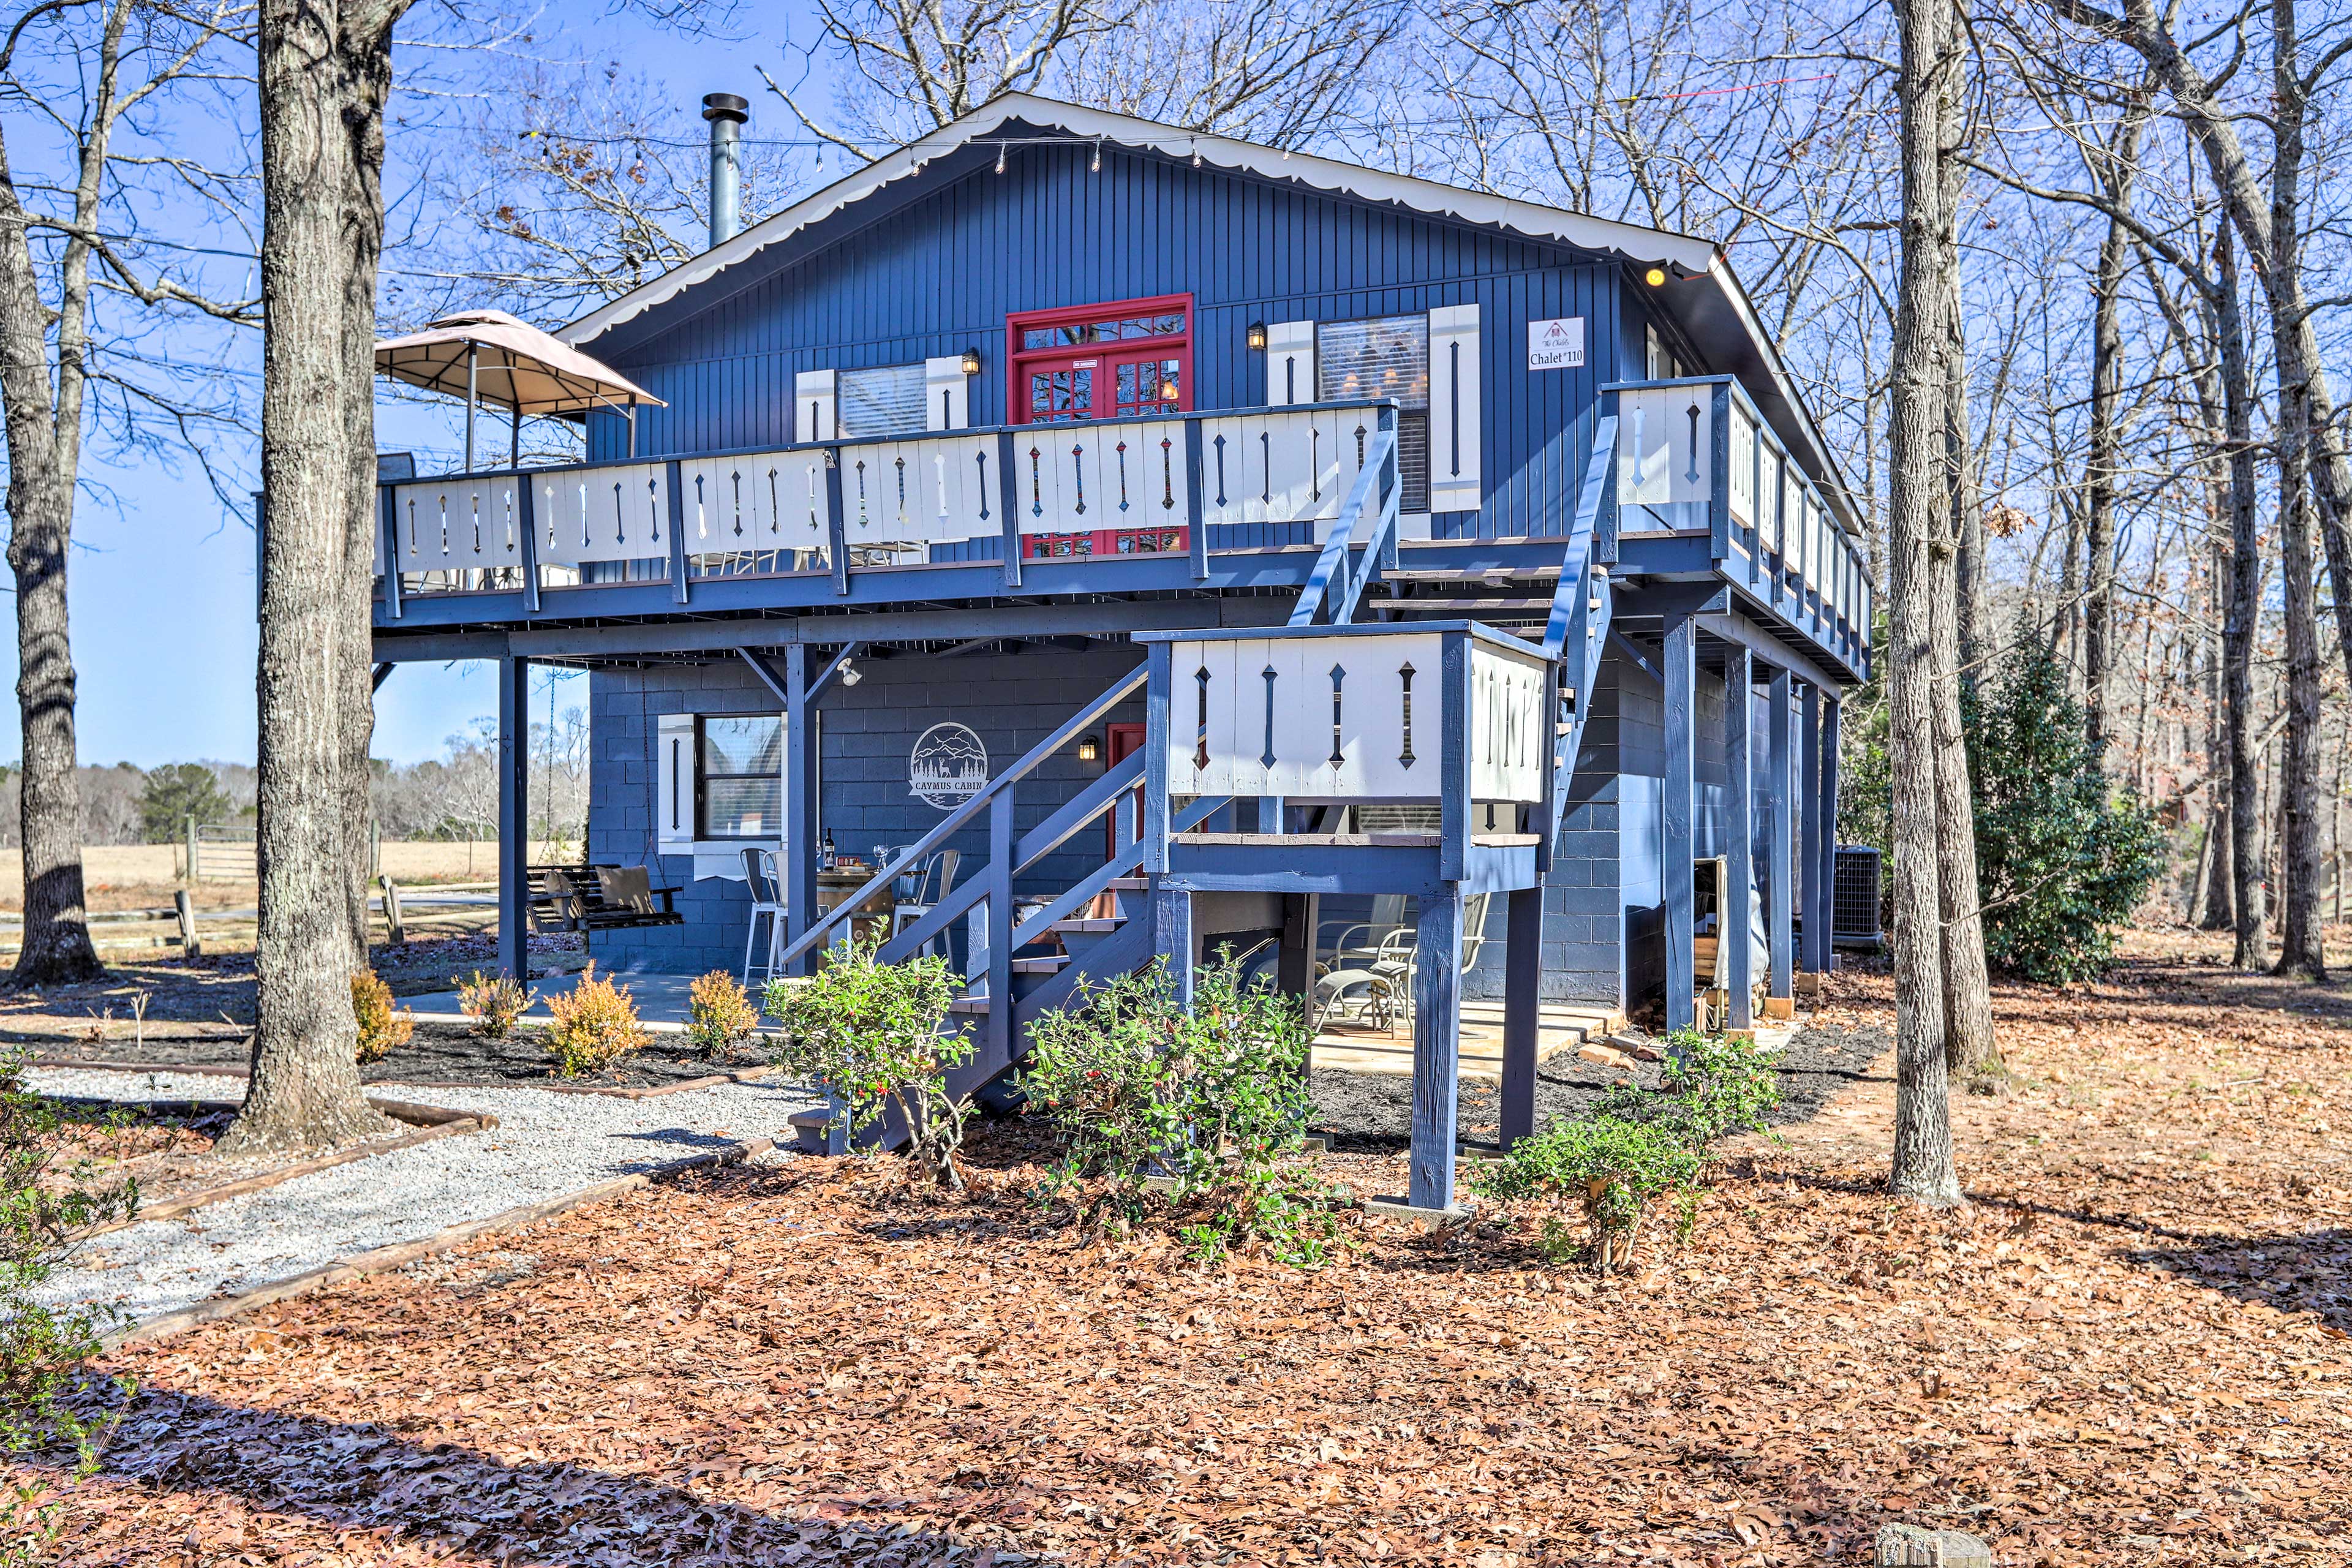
<point x="488" y="356"/>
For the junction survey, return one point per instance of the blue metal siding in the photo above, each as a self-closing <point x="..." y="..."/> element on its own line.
<point x="942" y="273"/>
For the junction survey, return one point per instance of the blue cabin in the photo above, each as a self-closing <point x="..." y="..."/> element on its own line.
<point x="1439" y="599"/>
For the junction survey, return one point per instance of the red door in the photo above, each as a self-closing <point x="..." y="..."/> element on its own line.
<point x="1125" y="823"/>
<point x="1102" y="362"/>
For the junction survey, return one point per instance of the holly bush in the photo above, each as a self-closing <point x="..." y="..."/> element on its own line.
<point x="2063" y="853"/>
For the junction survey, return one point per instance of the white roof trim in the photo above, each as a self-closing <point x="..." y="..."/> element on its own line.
<point x="1528" y="218"/>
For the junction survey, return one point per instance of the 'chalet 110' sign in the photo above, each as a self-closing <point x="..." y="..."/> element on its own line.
<point x="1556" y="344"/>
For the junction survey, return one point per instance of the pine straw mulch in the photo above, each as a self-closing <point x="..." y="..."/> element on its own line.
<point x="2129" y="1350"/>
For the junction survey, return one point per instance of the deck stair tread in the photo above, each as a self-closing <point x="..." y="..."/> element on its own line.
<point x="1086" y="926"/>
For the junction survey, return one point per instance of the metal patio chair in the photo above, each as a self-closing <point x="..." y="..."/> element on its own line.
<point x="767" y="898"/>
<point x="932" y="878"/>
<point x="1376" y="994"/>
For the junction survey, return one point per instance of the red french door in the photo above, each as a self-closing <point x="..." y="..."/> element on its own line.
<point x="1102" y="362"/>
<point x="1125" y="823"/>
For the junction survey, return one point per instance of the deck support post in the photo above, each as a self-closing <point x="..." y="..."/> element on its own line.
<point x="1171" y="937"/>
<point x="1733" y="931"/>
<point x="1826" y="878"/>
<point x="1681" y="695"/>
<point x="1436" y="1048"/>
<point x="1522" y="1010"/>
<point x="1778" y="869"/>
<point x="514" y="816"/>
<point x="799" y="847"/>
<point x="1813" y="954"/>
<point x="996" y="1044"/>
<point x="1269" y="814"/>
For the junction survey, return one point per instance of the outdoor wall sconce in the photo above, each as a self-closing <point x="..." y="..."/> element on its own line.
<point x="1086" y="749"/>
<point x="1655" y="277"/>
<point x="850" y="673"/>
<point x="971" y="362"/>
<point x="1257" y="337"/>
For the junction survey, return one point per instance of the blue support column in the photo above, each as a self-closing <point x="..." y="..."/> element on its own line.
<point x="514" y="816"/>
<point x="1157" y="738"/>
<point x="997" y="1044"/>
<point x="799" y="849"/>
<point x="678" y="589"/>
<point x="1436" y="1048"/>
<point x="1522" y="1011"/>
<point x="1740" y="845"/>
<point x="1008" y="503"/>
<point x="1682" y="695"/>
<point x="1826" y="865"/>
<point x="1779" y="868"/>
<point x="836" y="531"/>
<point x="1171" y="937"/>
<point x="1269" y="814"/>
<point x="1813" y="954"/>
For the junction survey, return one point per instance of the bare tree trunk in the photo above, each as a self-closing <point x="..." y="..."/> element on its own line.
<point x="44" y="426"/>
<point x="2122" y="163"/>
<point x="2301" y="948"/>
<point x="325" y="72"/>
<point x="1970" y="1051"/>
<point x="1917" y="493"/>
<point x="1973" y="602"/>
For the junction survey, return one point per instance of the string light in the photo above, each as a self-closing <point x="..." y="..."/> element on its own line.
<point x="1095" y="167"/>
<point x="1000" y="157"/>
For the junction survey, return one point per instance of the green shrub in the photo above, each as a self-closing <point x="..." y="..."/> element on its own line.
<point x="1709" y="1087"/>
<point x="869" y="1034"/>
<point x="494" y="1003"/>
<point x="595" y="1025"/>
<point x="2063" y="854"/>
<point x="42" y="1349"/>
<point x="1212" y="1099"/>
<point x="1615" y="1170"/>
<point x="1641" y="1147"/>
<point x="719" y="1013"/>
<point x="383" y="1029"/>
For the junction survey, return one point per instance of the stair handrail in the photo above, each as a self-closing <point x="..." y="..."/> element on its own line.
<point x="1577" y="628"/>
<point x="1111" y="696"/>
<point x="1118" y="866"/>
<point x="1337" y="560"/>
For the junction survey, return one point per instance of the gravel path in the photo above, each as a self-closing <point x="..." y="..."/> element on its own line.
<point x="546" y="1146"/>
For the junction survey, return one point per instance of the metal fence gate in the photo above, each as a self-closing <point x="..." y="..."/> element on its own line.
<point x="221" y="852"/>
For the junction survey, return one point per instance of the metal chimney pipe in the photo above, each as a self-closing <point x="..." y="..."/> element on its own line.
<point x="725" y="111"/>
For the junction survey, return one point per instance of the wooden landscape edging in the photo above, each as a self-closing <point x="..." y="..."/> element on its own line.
<point x="431" y="1121"/>
<point x="653" y="1091"/>
<point x="401" y="1254"/>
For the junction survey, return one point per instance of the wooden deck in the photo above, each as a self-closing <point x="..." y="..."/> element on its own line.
<point x="1561" y="1028"/>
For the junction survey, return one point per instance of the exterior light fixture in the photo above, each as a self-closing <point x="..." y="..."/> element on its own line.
<point x="1000" y="157"/>
<point x="1095" y="167"/>
<point x="971" y="361"/>
<point x="1655" y="277"/>
<point x="1086" y="749"/>
<point x="850" y="673"/>
<point x="1257" y="337"/>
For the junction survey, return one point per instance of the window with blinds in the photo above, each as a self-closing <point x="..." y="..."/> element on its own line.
<point x="1385" y="356"/>
<point x="886" y="400"/>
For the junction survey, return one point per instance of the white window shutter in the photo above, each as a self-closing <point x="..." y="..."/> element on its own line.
<point x="673" y="783"/>
<point x="1289" y="363"/>
<point x="946" y="394"/>
<point x="813" y="404"/>
<point x="1455" y="423"/>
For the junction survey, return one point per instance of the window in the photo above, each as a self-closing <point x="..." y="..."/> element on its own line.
<point x="885" y="401"/>
<point x="1101" y="362"/>
<point x="1385" y="356"/>
<point x="739" y="776"/>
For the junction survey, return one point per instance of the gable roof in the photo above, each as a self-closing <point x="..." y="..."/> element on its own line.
<point x="1702" y="291"/>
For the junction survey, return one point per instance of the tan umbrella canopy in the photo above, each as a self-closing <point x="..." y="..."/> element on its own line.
<point x="488" y="356"/>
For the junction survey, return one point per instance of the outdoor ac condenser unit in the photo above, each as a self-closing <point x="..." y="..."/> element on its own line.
<point x="1855" y="897"/>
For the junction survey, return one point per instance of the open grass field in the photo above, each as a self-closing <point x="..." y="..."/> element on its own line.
<point x="2130" y="1348"/>
<point x="144" y="876"/>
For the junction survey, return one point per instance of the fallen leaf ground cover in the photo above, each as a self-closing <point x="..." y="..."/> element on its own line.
<point x="2130" y="1349"/>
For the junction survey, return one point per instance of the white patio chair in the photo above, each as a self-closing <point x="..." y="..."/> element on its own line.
<point x="767" y="898"/>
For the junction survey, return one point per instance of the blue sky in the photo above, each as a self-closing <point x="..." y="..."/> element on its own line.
<point x="162" y="584"/>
